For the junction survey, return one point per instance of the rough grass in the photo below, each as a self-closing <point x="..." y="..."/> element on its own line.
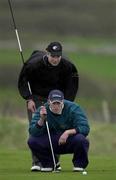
<point x="14" y="134"/>
<point x="11" y="104"/>
<point x="102" y="138"/>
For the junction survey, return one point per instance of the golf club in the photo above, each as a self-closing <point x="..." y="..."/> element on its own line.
<point x="51" y="146"/>
<point x="22" y="57"/>
<point x="18" y="39"/>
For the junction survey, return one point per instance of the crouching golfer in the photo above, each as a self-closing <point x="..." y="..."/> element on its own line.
<point x="68" y="126"/>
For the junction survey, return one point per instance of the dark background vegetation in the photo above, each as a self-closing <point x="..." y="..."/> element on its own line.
<point x="87" y="31"/>
<point x="63" y="17"/>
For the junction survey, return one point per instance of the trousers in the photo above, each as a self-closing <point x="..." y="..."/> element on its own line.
<point x="78" y="145"/>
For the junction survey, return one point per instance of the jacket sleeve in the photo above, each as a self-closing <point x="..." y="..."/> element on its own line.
<point x="34" y="128"/>
<point x="80" y="121"/>
<point x="72" y="83"/>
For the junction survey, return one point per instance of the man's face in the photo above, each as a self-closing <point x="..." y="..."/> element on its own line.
<point x="54" y="60"/>
<point x="56" y="107"/>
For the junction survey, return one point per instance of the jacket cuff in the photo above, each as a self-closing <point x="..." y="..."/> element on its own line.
<point x="38" y="126"/>
<point x="29" y="98"/>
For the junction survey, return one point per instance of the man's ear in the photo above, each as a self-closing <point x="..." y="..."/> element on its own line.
<point x="48" y="54"/>
<point x="48" y="101"/>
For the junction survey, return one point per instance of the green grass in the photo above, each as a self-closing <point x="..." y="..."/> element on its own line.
<point x="12" y="57"/>
<point x="100" y="66"/>
<point x="15" y="158"/>
<point x="95" y="66"/>
<point x="16" y="165"/>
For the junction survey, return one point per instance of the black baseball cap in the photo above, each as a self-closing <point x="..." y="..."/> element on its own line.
<point x="56" y="96"/>
<point x="55" y="49"/>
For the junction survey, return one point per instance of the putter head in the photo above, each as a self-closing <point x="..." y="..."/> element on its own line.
<point x="55" y="171"/>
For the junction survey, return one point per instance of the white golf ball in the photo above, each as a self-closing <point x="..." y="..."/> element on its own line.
<point x="84" y="172"/>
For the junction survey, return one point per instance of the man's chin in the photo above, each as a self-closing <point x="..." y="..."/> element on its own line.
<point x="54" y="64"/>
<point x="57" y="112"/>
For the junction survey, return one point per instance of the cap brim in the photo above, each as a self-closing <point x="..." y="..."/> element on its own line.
<point x="56" y="53"/>
<point x="53" y="101"/>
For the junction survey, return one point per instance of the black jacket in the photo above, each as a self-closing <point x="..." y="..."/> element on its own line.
<point x="43" y="77"/>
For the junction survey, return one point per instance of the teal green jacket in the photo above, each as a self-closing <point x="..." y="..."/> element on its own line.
<point x="72" y="117"/>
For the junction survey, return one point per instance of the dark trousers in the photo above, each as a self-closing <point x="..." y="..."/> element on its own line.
<point x="77" y="145"/>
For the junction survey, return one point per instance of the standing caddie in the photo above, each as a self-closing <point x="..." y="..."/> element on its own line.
<point x="45" y="71"/>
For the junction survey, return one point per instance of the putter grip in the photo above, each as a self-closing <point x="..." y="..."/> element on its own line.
<point x="45" y="117"/>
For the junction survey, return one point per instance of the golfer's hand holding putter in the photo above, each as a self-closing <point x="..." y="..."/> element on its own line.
<point x="43" y="114"/>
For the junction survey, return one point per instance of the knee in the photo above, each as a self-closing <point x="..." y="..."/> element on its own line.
<point x="82" y="140"/>
<point x="31" y="142"/>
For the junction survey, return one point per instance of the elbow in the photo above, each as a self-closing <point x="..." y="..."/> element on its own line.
<point x="84" y="130"/>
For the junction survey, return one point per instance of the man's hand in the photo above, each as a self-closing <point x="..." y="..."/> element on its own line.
<point x="65" y="135"/>
<point x="31" y="106"/>
<point x="43" y="114"/>
<point x="63" y="138"/>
